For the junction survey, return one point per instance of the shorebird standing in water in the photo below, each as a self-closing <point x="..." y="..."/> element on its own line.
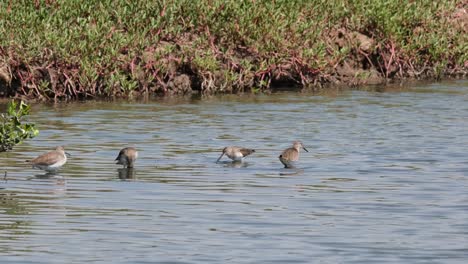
<point x="51" y="161"/>
<point x="291" y="155"/>
<point x="127" y="157"/>
<point x="236" y="153"/>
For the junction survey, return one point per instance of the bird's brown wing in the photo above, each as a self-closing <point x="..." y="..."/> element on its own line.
<point x="47" y="158"/>
<point x="290" y="154"/>
<point x="129" y="151"/>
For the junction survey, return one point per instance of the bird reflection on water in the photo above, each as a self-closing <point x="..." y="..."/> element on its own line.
<point x="126" y="173"/>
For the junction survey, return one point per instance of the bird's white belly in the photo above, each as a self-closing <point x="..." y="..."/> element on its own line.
<point x="54" y="166"/>
<point x="235" y="156"/>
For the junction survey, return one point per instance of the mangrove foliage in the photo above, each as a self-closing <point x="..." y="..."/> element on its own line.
<point x="60" y="49"/>
<point x="13" y="129"/>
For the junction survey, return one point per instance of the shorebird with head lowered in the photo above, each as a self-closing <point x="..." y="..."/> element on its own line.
<point x="290" y="155"/>
<point x="235" y="153"/>
<point x="127" y="157"/>
<point x="51" y="161"/>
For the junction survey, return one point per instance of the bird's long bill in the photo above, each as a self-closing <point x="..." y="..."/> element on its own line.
<point x="220" y="157"/>
<point x="67" y="154"/>
<point x="305" y="148"/>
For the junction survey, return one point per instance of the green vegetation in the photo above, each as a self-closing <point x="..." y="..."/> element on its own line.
<point x="12" y="131"/>
<point x="58" y="49"/>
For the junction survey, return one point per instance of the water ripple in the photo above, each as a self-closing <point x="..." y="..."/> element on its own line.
<point x="384" y="182"/>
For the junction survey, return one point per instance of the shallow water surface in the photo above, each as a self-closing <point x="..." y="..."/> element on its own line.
<point x="385" y="180"/>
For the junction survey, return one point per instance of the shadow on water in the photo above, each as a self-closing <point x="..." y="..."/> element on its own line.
<point x="46" y="175"/>
<point x="292" y="172"/>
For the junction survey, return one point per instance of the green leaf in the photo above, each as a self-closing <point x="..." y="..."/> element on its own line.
<point x="12" y="131"/>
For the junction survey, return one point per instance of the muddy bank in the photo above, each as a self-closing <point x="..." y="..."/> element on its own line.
<point x="210" y="48"/>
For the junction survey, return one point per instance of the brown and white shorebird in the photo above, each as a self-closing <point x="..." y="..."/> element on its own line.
<point x="236" y="153"/>
<point x="291" y="155"/>
<point x="51" y="161"/>
<point x="127" y="157"/>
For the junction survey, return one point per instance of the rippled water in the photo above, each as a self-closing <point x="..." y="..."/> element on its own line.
<point x="385" y="181"/>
